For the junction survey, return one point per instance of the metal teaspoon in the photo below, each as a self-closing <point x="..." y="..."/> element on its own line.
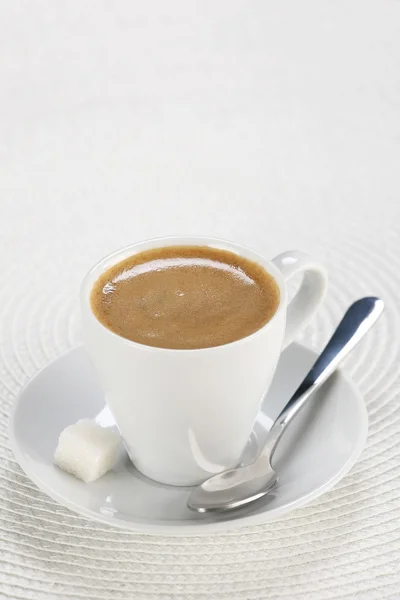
<point x="234" y="488"/>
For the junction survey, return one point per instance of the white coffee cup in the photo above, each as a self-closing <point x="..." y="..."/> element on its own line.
<point x="185" y="415"/>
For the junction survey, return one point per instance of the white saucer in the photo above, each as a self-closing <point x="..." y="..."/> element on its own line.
<point x="333" y="431"/>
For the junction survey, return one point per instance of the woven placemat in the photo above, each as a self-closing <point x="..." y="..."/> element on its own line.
<point x="273" y="126"/>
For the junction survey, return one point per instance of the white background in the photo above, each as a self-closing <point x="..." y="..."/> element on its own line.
<point x="274" y="124"/>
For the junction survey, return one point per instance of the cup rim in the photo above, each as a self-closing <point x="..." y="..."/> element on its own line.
<point x="180" y="240"/>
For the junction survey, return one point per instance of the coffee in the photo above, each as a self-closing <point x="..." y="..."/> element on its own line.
<point x="185" y="297"/>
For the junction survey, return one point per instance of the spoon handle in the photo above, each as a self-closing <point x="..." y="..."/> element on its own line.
<point x="356" y="322"/>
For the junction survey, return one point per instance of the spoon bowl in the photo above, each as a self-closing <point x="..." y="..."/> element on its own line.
<point x="234" y="488"/>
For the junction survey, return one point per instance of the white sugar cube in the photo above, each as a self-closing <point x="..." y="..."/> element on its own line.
<point x="87" y="450"/>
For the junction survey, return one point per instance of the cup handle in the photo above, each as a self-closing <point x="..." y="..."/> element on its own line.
<point x="310" y="294"/>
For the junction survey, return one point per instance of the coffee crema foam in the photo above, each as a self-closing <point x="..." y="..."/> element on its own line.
<point x="185" y="297"/>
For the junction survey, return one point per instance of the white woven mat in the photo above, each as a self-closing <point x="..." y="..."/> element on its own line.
<point x="274" y="124"/>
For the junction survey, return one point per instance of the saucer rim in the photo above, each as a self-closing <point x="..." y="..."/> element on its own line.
<point x="209" y="528"/>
